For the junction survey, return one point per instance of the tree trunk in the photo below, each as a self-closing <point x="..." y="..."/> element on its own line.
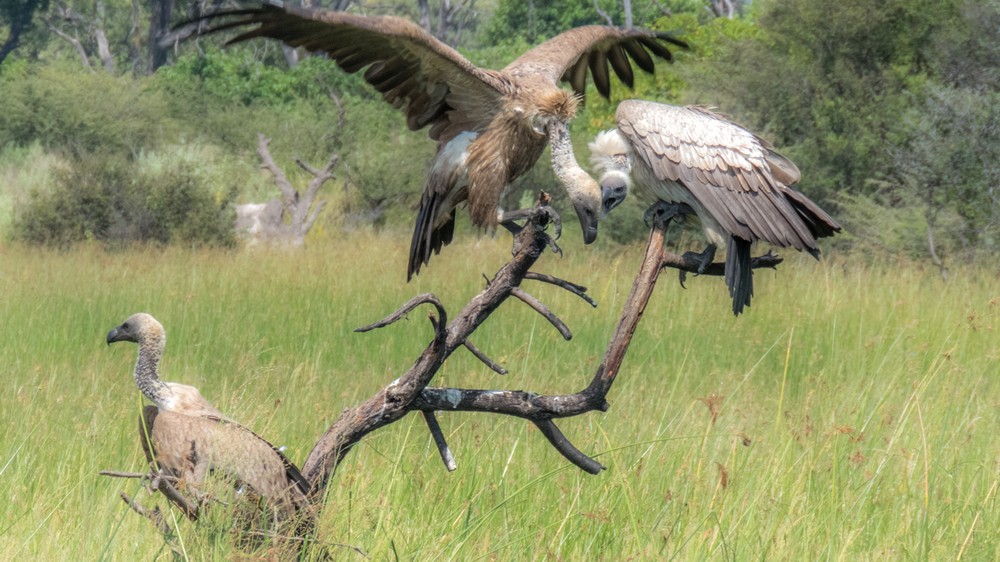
<point x="425" y="15"/>
<point x="104" y="51"/>
<point x="159" y="25"/>
<point x="20" y="20"/>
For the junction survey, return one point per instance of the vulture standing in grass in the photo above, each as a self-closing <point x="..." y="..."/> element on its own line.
<point x="190" y="437"/>
<point x="491" y="126"/>
<point x="733" y="180"/>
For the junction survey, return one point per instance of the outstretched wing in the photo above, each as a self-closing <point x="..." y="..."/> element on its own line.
<point x="429" y="81"/>
<point x="737" y="176"/>
<point x="568" y="56"/>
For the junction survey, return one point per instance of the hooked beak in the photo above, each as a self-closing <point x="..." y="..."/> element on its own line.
<point x="588" y="221"/>
<point x="116" y="334"/>
<point x="613" y="192"/>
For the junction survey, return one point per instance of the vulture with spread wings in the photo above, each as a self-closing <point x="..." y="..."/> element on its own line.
<point x="491" y="126"/>
<point x="733" y="180"/>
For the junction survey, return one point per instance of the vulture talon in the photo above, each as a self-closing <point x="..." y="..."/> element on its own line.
<point x="681" y="277"/>
<point x="661" y="213"/>
<point x="703" y="258"/>
<point x="553" y="246"/>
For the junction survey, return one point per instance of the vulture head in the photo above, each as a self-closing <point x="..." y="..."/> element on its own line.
<point x="611" y="158"/>
<point x="140" y="328"/>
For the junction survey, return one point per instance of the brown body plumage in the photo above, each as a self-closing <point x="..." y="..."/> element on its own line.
<point x="191" y="438"/>
<point x="491" y="126"/>
<point x="737" y="184"/>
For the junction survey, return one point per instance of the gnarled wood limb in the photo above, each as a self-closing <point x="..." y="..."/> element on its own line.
<point x="578" y="290"/>
<point x="541" y="409"/>
<point x="396" y="400"/>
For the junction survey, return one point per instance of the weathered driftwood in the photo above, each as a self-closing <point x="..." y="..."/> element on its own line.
<point x="410" y="392"/>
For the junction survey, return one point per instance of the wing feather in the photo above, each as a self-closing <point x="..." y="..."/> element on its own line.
<point x="552" y="60"/>
<point x="415" y="72"/>
<point x="598" y="63"/>
<point x="619" y="62"/>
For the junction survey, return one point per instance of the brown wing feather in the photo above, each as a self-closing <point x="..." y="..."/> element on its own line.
<point x="414" y="71"/>
<point x="728" y="169"/>
<point x="188" y="446"/>
<point x="559" y="58"/>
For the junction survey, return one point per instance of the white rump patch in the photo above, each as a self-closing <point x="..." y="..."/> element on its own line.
<point x="455" y="153"/>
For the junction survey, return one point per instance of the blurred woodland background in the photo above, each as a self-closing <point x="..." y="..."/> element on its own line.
<point x="115" y="129"/>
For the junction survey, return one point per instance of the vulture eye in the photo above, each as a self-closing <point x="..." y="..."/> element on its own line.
<point x="125" y="326"/>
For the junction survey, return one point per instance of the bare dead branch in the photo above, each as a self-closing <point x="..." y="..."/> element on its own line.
<point x="435" y="428"/>
<point x="155" y="516"/>
<point x="288" y="193"/>
<point x="604" y="15"/>
<point x="72" y="40"/>
<point x="167" y="489"/>
<point x="540" y="308"/>
<point x="313" y="216"/>
<point x="689" y="264"/>
<point x="395" y="400"/>
<point x="561" y="444"/>
<point x="426" y="298"/>
<point x="119" y="474"/>
<point x="578" y="290"/>
<point x="262" y="222"/>
<point x="482" y="357"/>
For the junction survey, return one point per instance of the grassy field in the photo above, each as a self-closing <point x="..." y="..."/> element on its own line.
<point x="851" y="414"/>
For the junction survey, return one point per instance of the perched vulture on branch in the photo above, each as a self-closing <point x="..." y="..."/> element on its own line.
<point x="190" y="437"/>
<point x="734" y="181"/>
<point x="491" y="126"/>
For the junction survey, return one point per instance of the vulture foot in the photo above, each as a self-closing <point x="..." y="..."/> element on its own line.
<point x="661" y="213"/>
<point x="703" y="258"/>
<point x="541" y="216"/>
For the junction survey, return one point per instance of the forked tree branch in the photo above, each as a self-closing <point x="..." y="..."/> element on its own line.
<point x="410" y="392"/>
<point x="540" y="409"/>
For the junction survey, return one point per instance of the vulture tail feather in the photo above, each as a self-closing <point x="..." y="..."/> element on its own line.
<point x="428" y="239"/>
<point x="739" y="275"/>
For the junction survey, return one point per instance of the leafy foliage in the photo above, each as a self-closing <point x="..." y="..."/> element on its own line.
<point x="106" y="198"/>
<point x="65" y="108"/>
<point x="875" y="103"/>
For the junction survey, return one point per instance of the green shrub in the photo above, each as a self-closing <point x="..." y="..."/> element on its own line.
<point x="69" y="109"/>
<point x="107" y="198"/>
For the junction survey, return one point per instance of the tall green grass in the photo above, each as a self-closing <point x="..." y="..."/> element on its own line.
<point x="851" y="414"/>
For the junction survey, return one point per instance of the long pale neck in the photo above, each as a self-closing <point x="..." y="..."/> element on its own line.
<point x="576" y="181"/>
<point x="146" y="377"/>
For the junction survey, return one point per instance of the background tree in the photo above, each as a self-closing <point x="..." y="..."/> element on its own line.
<point x="17" y="16"/>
